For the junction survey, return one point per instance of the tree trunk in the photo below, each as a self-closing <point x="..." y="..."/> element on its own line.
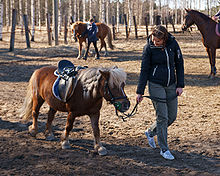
<point x="151" y="10"/>
<point x="32" y="19"/>
<point x="21" y="14"/>
<point x="84" y="9"/>
<point x="7" y="14"/>
<point x="46" y="12"/>
<point x="90" y="8"/>
<point x="130" y="14"/>
<point x="118" y="17"/>
<point x="59" y="17"/>
<point x="39" y="14"/>
<point x="1" y="19"/>
<point x="107" y="11"/>
<point x="75" y="10"/>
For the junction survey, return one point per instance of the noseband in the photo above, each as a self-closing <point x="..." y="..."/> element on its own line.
<point x="113" y="99"/>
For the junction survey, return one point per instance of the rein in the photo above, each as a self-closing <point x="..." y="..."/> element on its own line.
<point x="134" y="111"/>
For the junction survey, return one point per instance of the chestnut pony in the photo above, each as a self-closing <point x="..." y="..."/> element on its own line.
<point x="207" y="27"/>
<point x="103" y="31"/>
<point x="93" y="85"/>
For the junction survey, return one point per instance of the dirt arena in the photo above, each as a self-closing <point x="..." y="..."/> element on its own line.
<point x="194" y="138"/>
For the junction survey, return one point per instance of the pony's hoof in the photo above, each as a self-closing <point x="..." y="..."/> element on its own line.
<point x="78" y="57"/>
<point x="50" y="137"/>
<point x="211" y="76"/>
<point x="32" y="131"/>
<point x="102" y="151"/>
<point x="65" y="145"/>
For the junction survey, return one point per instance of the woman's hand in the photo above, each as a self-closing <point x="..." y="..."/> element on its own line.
<point x="215" y="18"/>
<point x="179" y="91"/>
<point x="139" y="98"/>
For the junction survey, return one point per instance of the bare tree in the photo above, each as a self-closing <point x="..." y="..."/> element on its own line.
<point x="32" y="19"/>
<point x="1" y="18"/>
<point x="90" y="8"/>
<point x="46" y="11"/>
<point x="130" y="13"/>
<point x="107" y="11"/>
<point x="7" y="14"/>
<point x="21" y="13"/>
<point x="118" y="17"/>
<point x="151" y="10"/>
<point x="75" y="10"/>
<point x="84" y="9"/>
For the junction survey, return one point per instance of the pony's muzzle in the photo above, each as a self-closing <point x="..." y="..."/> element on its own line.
<point x="125" y="105"/>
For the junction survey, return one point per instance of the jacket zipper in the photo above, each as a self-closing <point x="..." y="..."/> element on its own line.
<point x="168" y="67"/>
<point x="155" y="70"/>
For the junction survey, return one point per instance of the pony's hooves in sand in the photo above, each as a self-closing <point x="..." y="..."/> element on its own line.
<point x="102" y="151"/>
<point x="32" y="131"/>
<point x="65" y="145"/>
<point x="50" y="137"/>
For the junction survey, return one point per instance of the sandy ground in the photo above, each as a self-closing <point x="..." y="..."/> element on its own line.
<point x="193" y="138"/>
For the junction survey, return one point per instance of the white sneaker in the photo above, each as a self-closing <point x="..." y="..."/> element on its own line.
<point x="151" y="141"/>
<point x="167" y="155"/>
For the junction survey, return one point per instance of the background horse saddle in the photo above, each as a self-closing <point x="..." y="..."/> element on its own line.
<point x="66" y="81"/>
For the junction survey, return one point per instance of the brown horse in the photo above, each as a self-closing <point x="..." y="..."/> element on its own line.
<point x="207" y="28"/>
<point x="103" y="31"/>
<point x="93" y="85"/>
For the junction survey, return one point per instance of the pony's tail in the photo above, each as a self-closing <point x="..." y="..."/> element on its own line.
<point x="26" y="109"/>
<point x="110" y="39"/>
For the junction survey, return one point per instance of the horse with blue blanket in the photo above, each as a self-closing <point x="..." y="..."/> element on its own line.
<point x="83" y="97"/>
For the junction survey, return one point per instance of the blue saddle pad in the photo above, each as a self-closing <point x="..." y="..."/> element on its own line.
<point x="55" y="88"/>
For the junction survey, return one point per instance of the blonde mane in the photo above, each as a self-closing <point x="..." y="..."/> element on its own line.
<point x="90" y="79"/>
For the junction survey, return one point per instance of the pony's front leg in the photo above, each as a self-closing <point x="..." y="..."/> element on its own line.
<point x="212" y="55"/>
<point x="69" y="126"/>
<point x="48" y="132"/>
<point x="80" y="49"/>
<point x="94" y="118"/>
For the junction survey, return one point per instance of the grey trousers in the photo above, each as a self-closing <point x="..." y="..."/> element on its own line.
<point x="165" y="112"/>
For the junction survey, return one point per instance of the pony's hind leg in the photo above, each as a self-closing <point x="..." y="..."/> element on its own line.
<point x="37" y="103"/>
<point x="103" y="44"/>
<point x="48" y="132"/>
<point x="96" y="132"/>
<point x="69" y="126"/>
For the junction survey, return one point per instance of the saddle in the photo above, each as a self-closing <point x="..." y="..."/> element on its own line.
<point x="217" y="29"/>
<point x="66" y="81"/>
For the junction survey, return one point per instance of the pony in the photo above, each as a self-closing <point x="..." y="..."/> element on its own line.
<point x="93" y="86"/>
<point x="207" y="27"/>
<point x="79" y="27"/>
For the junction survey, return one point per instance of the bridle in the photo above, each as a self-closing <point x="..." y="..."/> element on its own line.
<point x="113" y="99"/>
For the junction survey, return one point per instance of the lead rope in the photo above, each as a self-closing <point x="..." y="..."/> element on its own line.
<point x="134" y="110"/>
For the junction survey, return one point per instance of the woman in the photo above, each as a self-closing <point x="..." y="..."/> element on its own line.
<point x="162" y="67"/>
<point x="92" y="38"/>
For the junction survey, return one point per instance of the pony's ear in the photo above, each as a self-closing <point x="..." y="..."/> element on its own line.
<point x="105" y="74"/>
<point x="187" y="10"/>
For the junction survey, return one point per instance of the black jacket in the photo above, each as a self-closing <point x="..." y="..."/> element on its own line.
<point x="162" y="66"/>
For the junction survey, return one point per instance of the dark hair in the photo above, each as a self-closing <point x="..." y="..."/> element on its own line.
<point x="91" y="20"/>
<point x="161" y="33"/>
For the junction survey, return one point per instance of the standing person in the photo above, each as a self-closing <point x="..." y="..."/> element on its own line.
<point x="162" y="67"/>
<point x="216" y="16"/>
<point x="92" y="38"/>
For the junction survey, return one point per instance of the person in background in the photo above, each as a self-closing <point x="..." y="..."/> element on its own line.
<point x="162" y="68"/>
<point x="92" y="38"/>
<point x="216" y="17"/>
